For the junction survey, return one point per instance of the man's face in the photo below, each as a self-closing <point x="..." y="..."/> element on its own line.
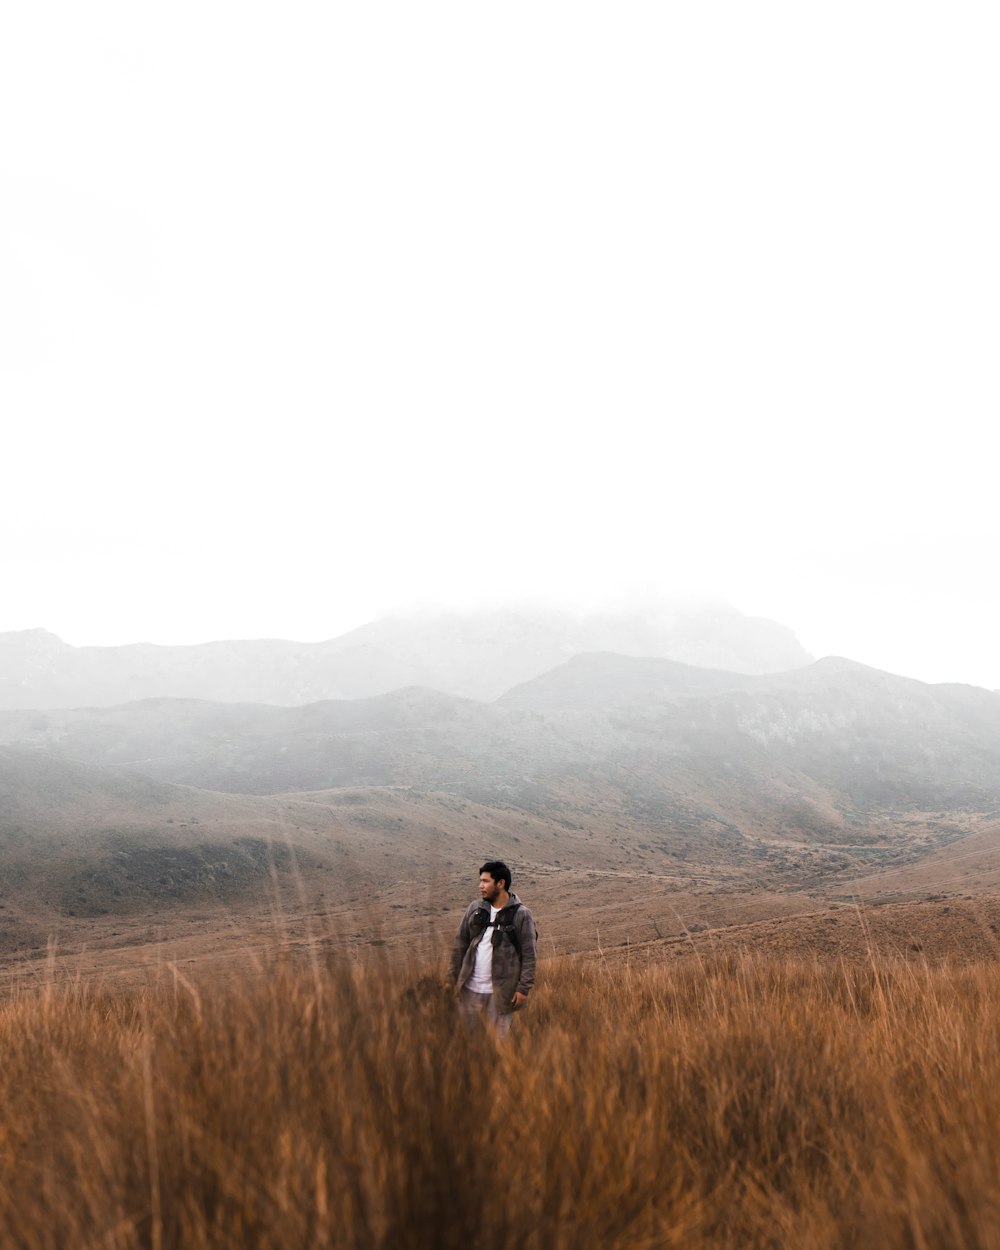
<point x="488" y="888"/>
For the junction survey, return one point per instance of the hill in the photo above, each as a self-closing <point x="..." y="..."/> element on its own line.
<point x="931" y="928"/>
<point x="473" y="655"/>
<point x="637" y="797"/>
<point x="77" y="840"/>
<point x="819" y="751"/>
<point x="810" y="768"/>
<point x="107" y="858"/>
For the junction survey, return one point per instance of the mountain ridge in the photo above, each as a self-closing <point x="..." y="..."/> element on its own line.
<point x="645" y="772"/>
<point x="849" y="742"/>
<point x="473" y="655"/>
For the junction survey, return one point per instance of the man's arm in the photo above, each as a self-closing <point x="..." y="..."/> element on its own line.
<point x="460" y="945"/>
<point x="526" y="935"/>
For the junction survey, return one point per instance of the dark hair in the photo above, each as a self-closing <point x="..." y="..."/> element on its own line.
<point x="499" y="871"/>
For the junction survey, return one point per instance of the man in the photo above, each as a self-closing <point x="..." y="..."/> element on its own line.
<point x="493" y="956"/>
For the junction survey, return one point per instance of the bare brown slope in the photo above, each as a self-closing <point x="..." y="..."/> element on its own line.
<point x="970" y="865"/>
<point x="956" y="930"/>
<point x="96" y="853"/>
<point x="119" y="863"/>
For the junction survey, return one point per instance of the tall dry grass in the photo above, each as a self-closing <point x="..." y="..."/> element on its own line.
<point x="745" y="1104"/>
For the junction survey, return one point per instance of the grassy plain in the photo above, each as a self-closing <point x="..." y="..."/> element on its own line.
<point x="736" y="1102"/>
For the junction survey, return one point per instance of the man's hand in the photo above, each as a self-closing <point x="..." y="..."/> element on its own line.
<point x="519" y="1000"/>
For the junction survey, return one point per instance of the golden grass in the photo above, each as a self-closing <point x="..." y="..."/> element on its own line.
<point x="746" y="1104"/>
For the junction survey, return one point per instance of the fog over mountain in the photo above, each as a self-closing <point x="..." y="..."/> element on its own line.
<point x="822" y="749"/>
<point x="761" y="774"/>
<point x="473" y="655"/>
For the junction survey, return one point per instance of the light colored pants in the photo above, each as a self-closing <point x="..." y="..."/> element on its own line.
<point x="477" y="1009"/>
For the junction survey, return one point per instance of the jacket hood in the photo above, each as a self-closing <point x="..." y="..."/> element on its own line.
<point x="513" y="899"/>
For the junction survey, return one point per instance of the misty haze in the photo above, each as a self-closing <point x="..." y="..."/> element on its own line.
<point x="680" y="789"/>
<point x="688" y="767"/>
<point x="499" y="683"/>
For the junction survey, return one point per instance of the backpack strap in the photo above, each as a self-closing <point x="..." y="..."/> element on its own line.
<point x="508" y="926"/>
<point x="504" y="923"/>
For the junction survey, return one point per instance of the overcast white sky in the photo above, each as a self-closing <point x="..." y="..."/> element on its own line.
<point x="311" y="310"/>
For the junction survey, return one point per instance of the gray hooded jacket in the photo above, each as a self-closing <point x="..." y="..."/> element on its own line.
<point x="513" y="961"/>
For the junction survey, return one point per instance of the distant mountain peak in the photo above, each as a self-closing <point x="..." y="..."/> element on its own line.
<point x="32" y="638"/>
<point x="473" y="655"/>
<point x="841" y="663"/>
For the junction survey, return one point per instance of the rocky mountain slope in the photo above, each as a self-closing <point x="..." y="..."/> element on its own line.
<point x="79" y="841"/>
<point x="823" y="752"/>
<point x="82" y="840"/>
<point x="643" y="790"/>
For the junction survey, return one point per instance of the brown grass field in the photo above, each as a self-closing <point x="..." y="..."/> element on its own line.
<point x="732" y="1102"/>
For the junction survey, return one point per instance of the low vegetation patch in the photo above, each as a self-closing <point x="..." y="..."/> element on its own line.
<point x="743" y="1104"/>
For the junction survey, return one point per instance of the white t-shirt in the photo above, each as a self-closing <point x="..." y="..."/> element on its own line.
<point x="481" y="981"/>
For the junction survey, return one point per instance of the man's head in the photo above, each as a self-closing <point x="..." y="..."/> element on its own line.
<point x="494" y="880"/>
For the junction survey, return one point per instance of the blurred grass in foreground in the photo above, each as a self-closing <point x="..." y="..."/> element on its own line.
<point x="746" y="1104"/>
